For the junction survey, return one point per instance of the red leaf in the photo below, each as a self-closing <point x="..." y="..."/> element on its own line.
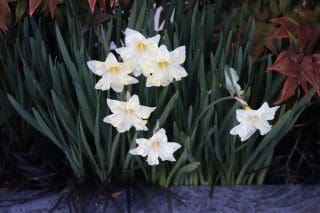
<point x="316" y="57"/>
<point x="285" y="25"/>
<point x="33" y="5"/>
<point x="300" y="70"/>
<point x="52" y="5"/>
<point x="102" y="4"/>
<point x="308" y="37"/>
<point x="285" y="65"/>
<point x="4" y="14"/>
<point x="271" y="46"/>
<point x="288" y="90"/>
<point x="309" y="74"/>
<point x="92" y="4"/>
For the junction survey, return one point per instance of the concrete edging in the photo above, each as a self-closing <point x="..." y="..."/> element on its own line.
<point x="266" y="198"/>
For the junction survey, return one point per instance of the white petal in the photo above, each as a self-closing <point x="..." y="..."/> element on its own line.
<point x="163" y="52"/>
<point x="112" y="119"/>
<point x="111" y="61"/>
<point x="178" y="55"/>
<point x="122" y="129"/>
<point x="178" y="72"/>
<point x="149" y="64"/>
<point x="103" y="84"/>
<point x="144" y="146"/>
<point x="152" y="159"/>
<point x="126" y="53"/>
<point x="127" y="80"/>
<point x="138" y="151"/>
<point x="166" y="155"/>
<point x="97" y="67"/>
<point x="160" y="136"/>
<point x="144" y="111"/>
<point x="128" y="66"/>
<point x="263" y="126"/>
<point x="134" y="100"/>
<point x="153" y="41"/>
<point x="244" y="130"/>
<point x="139" y="124"/>
<point x="118" y="121"/>
<point x="232" y="82"/>
<point x="137" y="72"/>
<point x="167" y="149"/>
<point x="135" y="151"/>
<point x="152" y="82"/>
<point x="115" y="106"/>
<point x="173" y="146"/>
<point x="143" y="142"/>
<point x="266" y="112"/>
<point x="242" y="115"/>
<point x="117" y="87"/>
<point x="132" y="37"/>
<point x="160" y="78"/>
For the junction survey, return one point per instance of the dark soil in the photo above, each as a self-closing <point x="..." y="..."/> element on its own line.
<point x="297" y="157"/>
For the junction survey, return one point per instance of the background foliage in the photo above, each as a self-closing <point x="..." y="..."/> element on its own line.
<point x="45" y="80"/>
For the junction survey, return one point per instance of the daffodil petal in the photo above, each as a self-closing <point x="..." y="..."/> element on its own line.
<point x="132" y="37"/>
<point x="153" y="160"/>
<point x="173" y="146"/>
<point x="111" y="61"/>
<point x="115" y="106"/>
<point x="178" y="55"/>
<point x="165" y="155"/>
<point x="153" y="41"/>
<point x="244" y="130"/>
<point x="160" y="135"/>
<point x="144" y="111"/>
<point x="97" y="67"/>
<point x="263" y="126"/>
<point x="178" y="72"/>
<point x="242" y="115"/>
<point x="266" y="112"/>
<point x="117" y="87"/>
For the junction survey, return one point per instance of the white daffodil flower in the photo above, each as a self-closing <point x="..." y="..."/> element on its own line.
<point x="128" y="114"/>
<point x="252" y="120"/>
<point x="163" y="66"/>
<point x="114" y="74"/>
<point x="137" y="48"/>
<point x="232" y="82"/>
<point x="156" y="147"/>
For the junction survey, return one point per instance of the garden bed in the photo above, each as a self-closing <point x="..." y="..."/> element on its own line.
<point x="100" y="100"/>
<point x="268" y="198"/>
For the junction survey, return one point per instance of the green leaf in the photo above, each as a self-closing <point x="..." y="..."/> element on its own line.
<point x="141" y="16"/>
<point x="187" y="169"/>
<point x="114" y="150"/>
<point x="168" y="109"/>
<point x="24" y="114"/>
<point x="66" y="57"/>
<point x="20" y="9"/>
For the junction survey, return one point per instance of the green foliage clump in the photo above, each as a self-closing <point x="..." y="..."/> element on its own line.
<point x="197" y="112"/>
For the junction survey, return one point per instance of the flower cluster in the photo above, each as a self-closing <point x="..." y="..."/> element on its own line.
<point x="140" y="56"/>
<point x="160" y="67"/>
